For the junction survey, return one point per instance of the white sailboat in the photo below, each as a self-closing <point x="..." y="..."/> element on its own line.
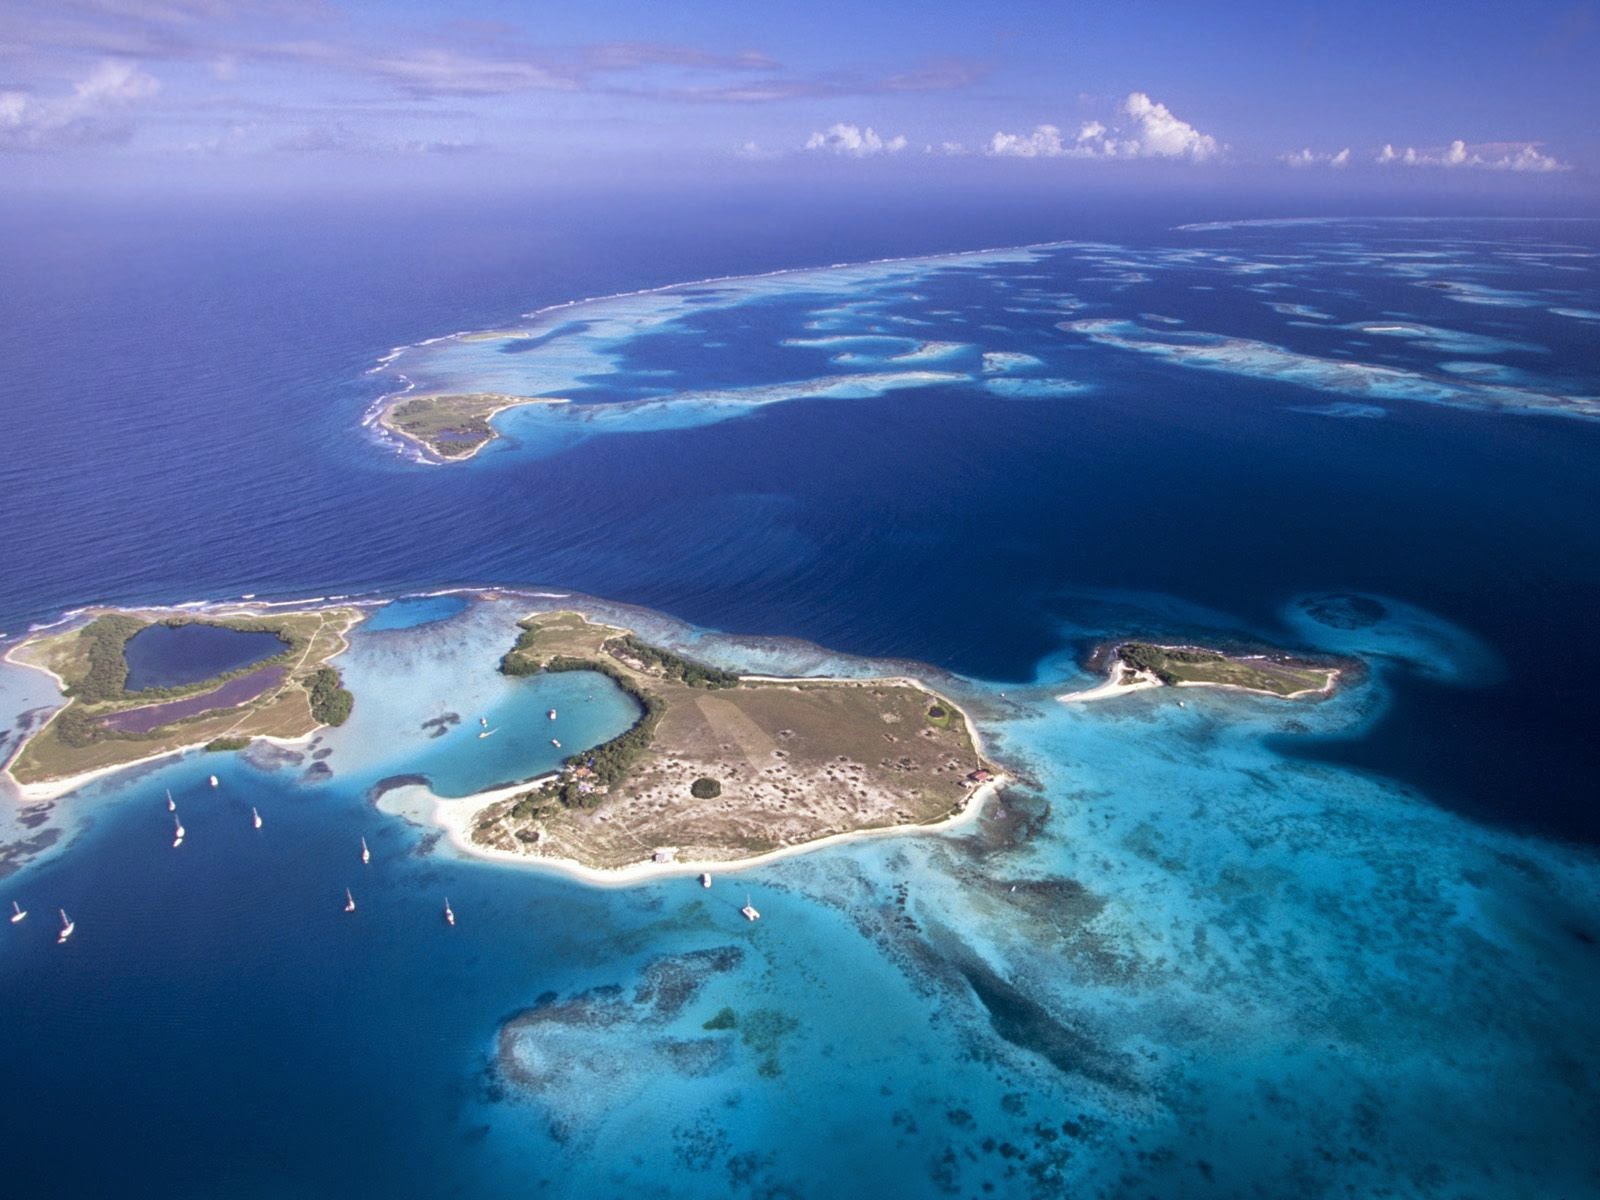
<point x="213" y="781"/>
<point x="705" y="878"/>
<point x="551" y="714"/>
<point x="749" y="910"/>
<point x="177" y="832"/>
<point x="172" y="805"/>
<point x="67" y="926"/>
<point x="255" y="817"/>
<point x="489" y="732"/>
<point x="17" y="912"/>
<point x="449" y="916"/>
<point x="484" y="721"/>
<point x="366" y="855"/>
<point x="349" y="901"/>
<point x="555" y="743"/>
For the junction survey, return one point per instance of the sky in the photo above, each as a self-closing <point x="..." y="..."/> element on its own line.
<point x="1401" y="95"/>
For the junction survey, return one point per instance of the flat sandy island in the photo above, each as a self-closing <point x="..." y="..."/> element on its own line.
<point x="724" y="767"/>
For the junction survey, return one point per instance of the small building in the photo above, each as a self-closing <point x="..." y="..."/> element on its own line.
<point x="664" y="856"/>
<point x="979" y="776"/>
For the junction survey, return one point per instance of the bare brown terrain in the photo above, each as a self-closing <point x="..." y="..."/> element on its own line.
<point x="795" y="761"/>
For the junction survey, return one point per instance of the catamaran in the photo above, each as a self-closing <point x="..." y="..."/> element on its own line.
<point x="255" y="817"/>
<point x="67" y="926"/>
<point x="349" y="901"/>
<point x="177" y="832"/>
<point x="172" y="805"/>
<point x="705" y="878"/>
<point x="449" y="917"/>
<point x="555" y="743"/>
<point x="17" y="912"/>
<point x="749" y="910"/>
<point x="551" y="714"/>
<point x="366" y="855"/>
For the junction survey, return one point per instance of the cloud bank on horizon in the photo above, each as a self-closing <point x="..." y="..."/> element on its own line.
<point x="164" y="82"/>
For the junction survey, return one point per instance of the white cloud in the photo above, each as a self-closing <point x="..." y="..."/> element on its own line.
<point x="1305" y="158"/>
<point x="95" y="113"/>
<point x="855" y="142"/>
<point x="1491" y="156"/>
<point x="1043" y="142"/>
<point x="1162" y="135"/>
<point x="1153" y="132"/>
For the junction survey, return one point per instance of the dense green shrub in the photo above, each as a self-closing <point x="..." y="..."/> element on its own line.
<point x="673" y="666"/>
<point x="331" y="702"/>
<point x="705" y="788"/>
<point x="519" y="659"/>
<point x="232" y="742"/>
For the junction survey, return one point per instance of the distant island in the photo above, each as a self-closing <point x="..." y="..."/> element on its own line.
<point x="450" y="427"/>
<point x="1135" y="666"/>
<point x="269" y="677"/>
<point x="722" y="767"/>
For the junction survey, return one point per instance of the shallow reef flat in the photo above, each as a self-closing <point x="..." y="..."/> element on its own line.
<point x="987" y="325"/>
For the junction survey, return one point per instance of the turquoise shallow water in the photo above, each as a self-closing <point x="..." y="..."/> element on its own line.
<point x="1175" y="955"/>
<point x="1228" y="947"/>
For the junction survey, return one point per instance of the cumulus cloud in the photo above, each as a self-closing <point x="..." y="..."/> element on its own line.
<point x="1163" y="135"/>
<point x="1152" y="131"/>
<point x="1306" y="158"/>
<point x="855" y="142"/>
<point x="1492" y="156"/>
<point x="96" y="112"/>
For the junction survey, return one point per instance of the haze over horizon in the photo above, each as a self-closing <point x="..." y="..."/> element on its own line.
<point x="1465" y="100"/>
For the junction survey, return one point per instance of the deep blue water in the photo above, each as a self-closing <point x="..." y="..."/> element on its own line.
<point x="172" y="655"/>
<point x="194" y="389"/>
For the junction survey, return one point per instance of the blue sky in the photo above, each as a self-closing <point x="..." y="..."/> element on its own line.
<point x="1388" y="93"/>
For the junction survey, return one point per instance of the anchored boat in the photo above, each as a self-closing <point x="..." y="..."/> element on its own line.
<point x="17" y="912"/>
<point x="67" y="926"/>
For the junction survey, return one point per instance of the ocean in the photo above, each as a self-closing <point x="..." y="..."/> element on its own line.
<point x="1234" y="947"/>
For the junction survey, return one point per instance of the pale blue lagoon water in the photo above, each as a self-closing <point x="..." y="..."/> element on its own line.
<point x="1228" y="947"/>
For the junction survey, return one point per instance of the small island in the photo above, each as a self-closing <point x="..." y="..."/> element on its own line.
<point x="140" y="684"/>
<point x="721" y="767"/>
<point x="451" y="427"/>
<point x="1135" y="666"/>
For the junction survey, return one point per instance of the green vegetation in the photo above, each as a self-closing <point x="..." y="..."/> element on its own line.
<point x="1275" y="674"/>
<point x="453" y="426"/>
<point x="108" y="669"/>
<point x="90" y="661"/>
<point x="1159" y="660"/>
<point x="705" y="788"/>
<point x="228" y="742"/>
<point x="519" y="660"/>
<point x="106" y="638"/>
<point x="939" y="716"/>
<point x="723" y="1020"/>
<point x="673" y="666"/>
<point x="331" y="702"/>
